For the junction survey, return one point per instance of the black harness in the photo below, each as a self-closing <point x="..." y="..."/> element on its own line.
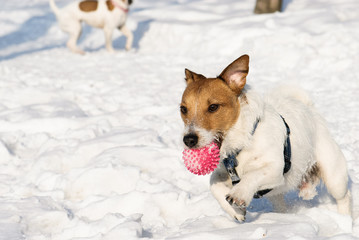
<point x="231" y="163"/>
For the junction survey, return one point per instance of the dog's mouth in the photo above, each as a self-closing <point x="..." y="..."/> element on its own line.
<point x="218" y="139"/>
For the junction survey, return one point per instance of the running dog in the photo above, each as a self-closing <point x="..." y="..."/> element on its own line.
<point x="268" y="146"/>
<point x="105" y="14"/>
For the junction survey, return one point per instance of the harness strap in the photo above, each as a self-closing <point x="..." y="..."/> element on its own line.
<point x="287" y="152"/>
<point x="231" y="163"/>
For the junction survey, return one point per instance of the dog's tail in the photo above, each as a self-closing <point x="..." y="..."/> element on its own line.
<point x="296" y="93"/>
<point x="54" y="8"/>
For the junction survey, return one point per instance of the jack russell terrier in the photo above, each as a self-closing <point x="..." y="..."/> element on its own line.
<point x="106" y="14"/>
<point x="266" y="146"/>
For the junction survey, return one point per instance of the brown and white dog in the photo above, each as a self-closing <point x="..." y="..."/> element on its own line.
<point x="106" y="14"/>
<point x="225" y="110"/>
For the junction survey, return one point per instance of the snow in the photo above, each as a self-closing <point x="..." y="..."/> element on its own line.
<point x="90" y="146"/>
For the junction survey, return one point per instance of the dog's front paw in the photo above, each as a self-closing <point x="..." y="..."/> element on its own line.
<point x="239" y="206"/>
<point x="111" y="50"/>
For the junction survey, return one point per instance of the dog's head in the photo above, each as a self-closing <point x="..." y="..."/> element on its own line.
<point x="210" y="106"/>
<point x="128" y="2"/>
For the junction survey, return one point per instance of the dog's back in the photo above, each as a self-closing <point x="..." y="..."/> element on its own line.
<point x="105" y="14"/>
<point x="315" y="153"/>
<point x="94" y="13"/>
<point x="296" y="107"/>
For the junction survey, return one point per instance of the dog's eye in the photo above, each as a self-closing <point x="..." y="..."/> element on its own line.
<point x="184" y="110"/>
<point x="212" y="108"/>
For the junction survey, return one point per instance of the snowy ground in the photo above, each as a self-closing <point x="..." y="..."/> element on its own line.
<point x="90" y="146"/>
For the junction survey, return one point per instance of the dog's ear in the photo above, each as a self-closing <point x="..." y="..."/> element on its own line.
<point x="235" y="74"/>
<point x="192" y="77"/>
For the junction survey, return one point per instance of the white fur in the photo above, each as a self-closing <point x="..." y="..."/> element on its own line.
<point x="261" y="161"/>
<point x="70" y="18"/>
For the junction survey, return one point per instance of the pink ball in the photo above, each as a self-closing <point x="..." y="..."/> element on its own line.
<point x="202" y="161"/>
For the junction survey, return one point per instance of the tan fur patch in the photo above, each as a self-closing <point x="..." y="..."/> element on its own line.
<point x="110" y="6"/>
<point x="307" y="188"/>
<point x="197" y="98"/>
<point x="88" y="6"/>
<point x="312" y="175"/>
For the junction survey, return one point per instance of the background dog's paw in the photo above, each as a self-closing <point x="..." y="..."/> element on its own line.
<point x="111" y="50"/>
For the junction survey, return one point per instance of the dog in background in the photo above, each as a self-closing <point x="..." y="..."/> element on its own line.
<point x="255" y="131"/>
<point x="105" y="14"/>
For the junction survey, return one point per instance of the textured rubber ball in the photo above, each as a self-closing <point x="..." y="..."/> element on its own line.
<point x="202" y="161"/>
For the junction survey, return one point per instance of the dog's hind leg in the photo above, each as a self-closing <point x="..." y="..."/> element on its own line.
<point x="74" y="32"/>
<point x="128" y="34"/>
<point x="108" y="39"/>
<point x="307" y="189"/>
<point x="333" y="169"/>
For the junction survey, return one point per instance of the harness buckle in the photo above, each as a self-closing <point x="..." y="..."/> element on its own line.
<point x="230" y="163"/>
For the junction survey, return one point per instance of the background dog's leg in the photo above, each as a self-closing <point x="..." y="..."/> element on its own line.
<point x="108" y="39"/>
<point x="128" y="35"/>
<point x="268" y="6"/>
<point x="74" y="32"/>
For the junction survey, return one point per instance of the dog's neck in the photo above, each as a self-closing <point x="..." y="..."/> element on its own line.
<point x="240" y="135"/>
<point x="118" y="5"/>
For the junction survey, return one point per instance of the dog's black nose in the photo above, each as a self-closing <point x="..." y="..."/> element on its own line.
<point x="190" y="140"/>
